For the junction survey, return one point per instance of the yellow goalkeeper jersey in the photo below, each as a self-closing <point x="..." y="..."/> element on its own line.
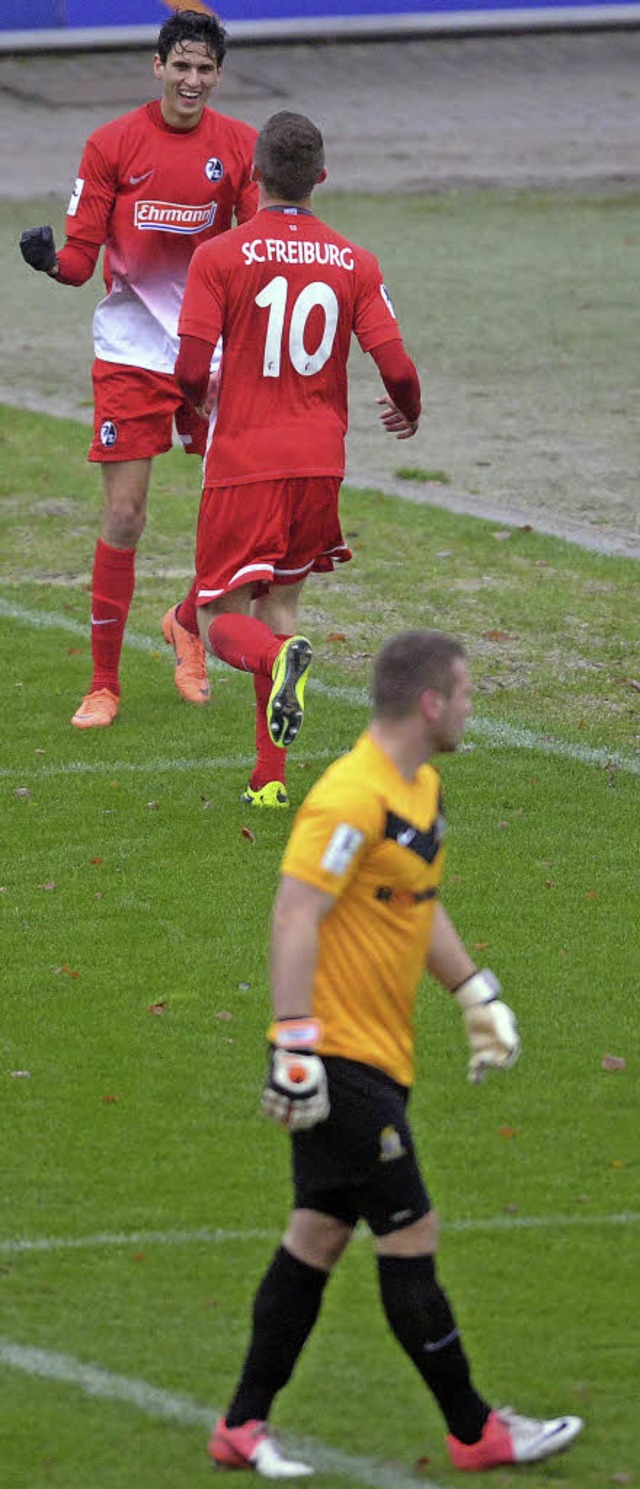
<point x="373" y="840"/>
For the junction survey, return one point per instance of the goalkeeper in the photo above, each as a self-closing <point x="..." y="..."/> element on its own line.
<point x="357" y="919"/>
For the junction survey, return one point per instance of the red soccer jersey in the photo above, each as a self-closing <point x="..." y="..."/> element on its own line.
<point x="286" y="293"/>
<point x="151" y="194"/>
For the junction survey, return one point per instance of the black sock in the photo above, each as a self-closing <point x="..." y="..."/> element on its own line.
<point x="419" y="1314"/>
<point x="285" y="1309"/>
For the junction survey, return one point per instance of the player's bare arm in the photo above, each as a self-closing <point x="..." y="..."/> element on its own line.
<point x="297" y="916"/>
<point x="447" y="959"/>
<point x="491" y="1026"/>
<point x="295" y="1092"/>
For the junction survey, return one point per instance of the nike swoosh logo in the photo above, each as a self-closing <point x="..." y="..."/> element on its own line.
<point x="111" y="622"/>
<point x="135" y="180"/>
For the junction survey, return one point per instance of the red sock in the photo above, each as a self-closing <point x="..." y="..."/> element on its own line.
<point x="271" y="760"/>
<point x="244" y="642"/>
<point x="186" y="612"/>
<point x="111" y="594"/>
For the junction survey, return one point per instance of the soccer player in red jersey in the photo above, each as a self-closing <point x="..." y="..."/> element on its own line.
<point x="152" y="185"/>
<point x="286" y="293"/>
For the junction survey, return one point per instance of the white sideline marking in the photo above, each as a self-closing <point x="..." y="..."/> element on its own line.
<point x="142" y="767"/>
<point x="207" y="1237"/>
<point x="492" y="734"/>
<point x="183" y="1410"/>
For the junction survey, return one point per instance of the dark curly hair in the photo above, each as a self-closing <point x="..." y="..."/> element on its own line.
<point x="192" y="25"/>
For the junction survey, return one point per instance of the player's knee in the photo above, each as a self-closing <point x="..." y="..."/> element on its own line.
<point x="418" y="1239"/>
<point x="319" y="1240"/>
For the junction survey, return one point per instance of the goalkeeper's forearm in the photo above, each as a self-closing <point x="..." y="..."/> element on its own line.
<point x="447" y="958"/>
<point x="298" y="913"/>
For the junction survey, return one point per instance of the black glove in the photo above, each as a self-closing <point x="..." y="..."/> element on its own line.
<point x="38" y="248"/>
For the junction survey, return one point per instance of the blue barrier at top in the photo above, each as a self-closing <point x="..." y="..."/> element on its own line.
<point x="21" y="16"/>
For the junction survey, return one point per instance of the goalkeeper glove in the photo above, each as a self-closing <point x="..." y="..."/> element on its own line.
<point x="38" y="248"/>
<point x="491" y="1026"/>
<point x="295" y="1093"/>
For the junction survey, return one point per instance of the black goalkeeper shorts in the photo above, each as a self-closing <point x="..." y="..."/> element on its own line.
<point x="361" y="1163"/>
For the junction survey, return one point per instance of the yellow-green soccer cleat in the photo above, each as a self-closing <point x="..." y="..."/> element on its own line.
<point x="285" y="709"/>
<point x="274" y="794"/>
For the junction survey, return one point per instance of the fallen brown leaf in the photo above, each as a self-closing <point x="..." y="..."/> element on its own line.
<point x="96" y="860"/>
<point x="498" y="636"/>
<point x="248" y="834"/>
<point x="67" y="970"/>
<point x="550" y="884"/>
<point x="591" y="894"/>
<point x="507" y="1131"/>
<point x="223" y="1013"/>
<point x="158" y="1008"/>
<point x="613" y="1062"/>
<point x="480" y="945"/>
<point x="337" y="636"/>
<point x="50" y="885"/>
<point x="109" y="1099"/>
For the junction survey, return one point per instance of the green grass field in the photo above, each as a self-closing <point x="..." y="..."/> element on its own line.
<point x="135" y="916"/>
<point x="143" y="1194"/>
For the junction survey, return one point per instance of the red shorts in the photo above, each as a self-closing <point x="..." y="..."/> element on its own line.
<point x="268" y="532"/>
<point x="133" y="414"/>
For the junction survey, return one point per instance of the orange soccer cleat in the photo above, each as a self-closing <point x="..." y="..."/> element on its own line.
<point x="190" y="676"/>
<point x="97" y="710"/>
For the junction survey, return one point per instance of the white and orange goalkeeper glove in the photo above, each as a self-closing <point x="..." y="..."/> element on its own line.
<point x="295" y="1093"/>
<point x="491" y="1025"/>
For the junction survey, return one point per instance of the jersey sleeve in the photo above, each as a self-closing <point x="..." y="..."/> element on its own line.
<point x="247" y="203"/>
<point x="202" y="311"/>
<point x="92" y="198"/>
<point x="330" y="837"/>
<point x="375" y="319"/>
<point x="203" y="307"/>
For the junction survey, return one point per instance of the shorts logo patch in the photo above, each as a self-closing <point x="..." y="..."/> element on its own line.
<point x="391" y="1145"/>
<point x="108" y="434"/>
<point x="214" y="169"/>
<point x="343" y="846"/>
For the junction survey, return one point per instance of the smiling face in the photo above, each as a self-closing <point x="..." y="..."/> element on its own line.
<point x="188" y="76"/>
